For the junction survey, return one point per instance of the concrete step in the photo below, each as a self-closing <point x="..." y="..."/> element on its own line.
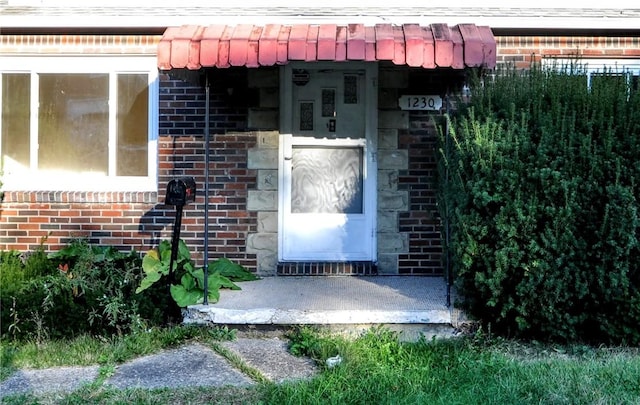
<point x="409" y="304"/>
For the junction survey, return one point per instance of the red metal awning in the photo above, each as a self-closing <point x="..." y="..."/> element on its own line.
<point x="221" y="46"/>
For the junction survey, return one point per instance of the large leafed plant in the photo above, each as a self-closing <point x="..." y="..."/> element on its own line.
<point x="190" y="286"/>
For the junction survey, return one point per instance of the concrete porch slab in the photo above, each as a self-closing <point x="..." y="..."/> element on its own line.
<point x="331" y="300"/>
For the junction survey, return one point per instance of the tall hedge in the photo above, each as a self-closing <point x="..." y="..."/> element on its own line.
<point x="541" y="197"/>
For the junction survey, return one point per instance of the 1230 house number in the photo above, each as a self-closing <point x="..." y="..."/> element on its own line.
<point x="430" y="103"/>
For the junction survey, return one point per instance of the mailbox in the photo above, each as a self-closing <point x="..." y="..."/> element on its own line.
<point x="180" y="191"/>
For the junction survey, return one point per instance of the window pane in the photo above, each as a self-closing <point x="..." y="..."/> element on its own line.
<point x="16" y="98"/>
<point x="74" y="122"/>
<point x="133" y="99"/>
<point x="306" y="116"/>
<point x="326" y="180"/>
<point x="350" y="89"/>
<point x="607" y="81"/>
<point x="328" y="102"/>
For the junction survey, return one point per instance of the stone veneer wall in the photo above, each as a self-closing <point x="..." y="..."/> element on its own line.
<point x="391" y="161"/>
<point x="263" y="158"/>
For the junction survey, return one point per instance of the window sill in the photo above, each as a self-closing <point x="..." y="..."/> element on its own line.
<point x="81" y="197"/>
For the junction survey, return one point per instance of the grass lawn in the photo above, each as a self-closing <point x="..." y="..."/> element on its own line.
<point x="376" y="369"/>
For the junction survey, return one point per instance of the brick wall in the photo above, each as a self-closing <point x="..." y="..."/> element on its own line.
<point x="522" y="50"/>
<point x="28" y="219"/>
<point x="409" y="237"/>
<point x="182" y="153"/>
<point x="421" y="222"/>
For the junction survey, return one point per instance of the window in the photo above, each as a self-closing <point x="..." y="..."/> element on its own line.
<point x="78" y="123"/>
<point x="598" y="70"/>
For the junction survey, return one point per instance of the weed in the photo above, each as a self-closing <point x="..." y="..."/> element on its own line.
<point x="13" y="328"/>
<point x="311" y="342"/>
<point x="238" y="363"/>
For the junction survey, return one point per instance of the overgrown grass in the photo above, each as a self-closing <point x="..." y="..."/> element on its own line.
<point x="378" y="369"/>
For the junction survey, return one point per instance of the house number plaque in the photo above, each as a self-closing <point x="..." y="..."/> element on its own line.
<point x="429" y="103"/>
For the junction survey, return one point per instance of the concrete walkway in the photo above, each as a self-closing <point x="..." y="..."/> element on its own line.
<point x="192" y="365"/>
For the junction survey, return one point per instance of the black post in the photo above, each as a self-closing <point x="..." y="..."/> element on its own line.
<point x="179" y="192"/>
<point x="447" y="228"/>
<point x="206" y="192"/>
<point x="175" y="240"/>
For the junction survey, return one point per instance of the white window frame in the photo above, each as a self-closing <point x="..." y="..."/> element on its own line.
<point x="36" y="180"/>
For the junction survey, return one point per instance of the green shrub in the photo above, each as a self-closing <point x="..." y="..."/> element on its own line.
<point x="16" y="267"/>
<point x="11" y="270"/>
<point x="80" y="289"/>
<point x="542" y="204"/>
<point x="38" y="264"/>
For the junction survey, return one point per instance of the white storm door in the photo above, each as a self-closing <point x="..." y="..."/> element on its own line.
<point x="328" y="184"/>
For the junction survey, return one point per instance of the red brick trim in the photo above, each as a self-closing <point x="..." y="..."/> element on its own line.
<point x="79" y="197"/>
<point x="79" y="44"/>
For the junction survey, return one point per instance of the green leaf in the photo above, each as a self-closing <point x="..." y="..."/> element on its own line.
<point x="184" y="298"/>
<point x="198" y="274"/>
<point x="217" y="281"/>
<point x="164" y="246"/>
<point x="189" y="267"/>
<point x="223" y="274"/>
<point x="148" y="281"/>
<point x="183" y="252"/>
<point x="224" y="282"/>
<point x="165" y="256"/>
<point x="233" y="271"/>
<point x="151" y="263"/>
<point x="188" y="282"/>
<point x="214" y="295"/>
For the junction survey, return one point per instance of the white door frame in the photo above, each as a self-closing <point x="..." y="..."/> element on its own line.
<point x="371" y="132"/>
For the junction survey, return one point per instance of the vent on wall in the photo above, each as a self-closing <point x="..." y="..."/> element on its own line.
<point x="355" y="268"/>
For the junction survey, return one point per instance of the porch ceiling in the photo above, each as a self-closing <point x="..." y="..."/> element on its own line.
<point x="429" y="47"/>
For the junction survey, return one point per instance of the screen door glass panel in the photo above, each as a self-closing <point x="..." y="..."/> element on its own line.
<point x="326" y="180"/>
